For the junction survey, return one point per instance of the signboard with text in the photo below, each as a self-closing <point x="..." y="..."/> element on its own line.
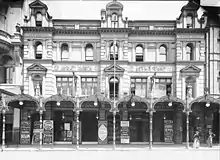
<point x="168" y="131"/>
<point x="125" y="137"/>
<point x="48" y="131"/>
<point x="102" y="132"/>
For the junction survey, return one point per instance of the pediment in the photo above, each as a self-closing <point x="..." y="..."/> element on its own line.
<point x="190" y="69"/>
<point x="37" y="68"/>
<point x="117" y="69"/>
<point x="37" y="4"/>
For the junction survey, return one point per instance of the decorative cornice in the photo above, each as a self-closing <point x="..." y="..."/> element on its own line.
<point x="153" y="32"/>
<point x="38" y="29"/>
<point x="114" y="30"/>
<point x="76" y="31"/>
<point x="191" y="30"/>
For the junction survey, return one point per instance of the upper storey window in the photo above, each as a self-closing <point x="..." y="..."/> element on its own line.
<point x="38" y="50"/>
<point x="139" y="53"/>
<point x="39" y="19"/>
<point x="189" y="21"/>
<point x="64" y="51"/>
<point x="89" y="52"/>
<point x="163" y="53"/>
<point x="189" y="52"/>
<point x="114" y="20"/>
<point x="114" y="51"/>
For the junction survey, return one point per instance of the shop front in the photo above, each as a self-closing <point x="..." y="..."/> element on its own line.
<point x="168" y="120"/>
<point x="58" y="120"/>
<point x="205" y="116"/>
<point x="95" y="120"/>
<point x="134" y="127"/>
<point x="24" y="115"/>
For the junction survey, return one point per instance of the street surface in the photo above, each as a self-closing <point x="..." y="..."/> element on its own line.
<point x="158" y="154"/>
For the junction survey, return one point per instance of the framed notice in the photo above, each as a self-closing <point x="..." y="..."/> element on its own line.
<point x="48" y="131"/>
<point x="125" y="135"/>
<point x="102" y="132"/>
<point x="168" y="131"/>
<point x="25" y="137"/>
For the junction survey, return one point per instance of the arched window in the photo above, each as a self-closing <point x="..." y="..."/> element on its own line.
<point x="191" y="86"/>
<point x="162" y="53"/>
<point x="113" y="51"/>
<point x="139" y="53"/>
<point x="64" y="51"/>
<point x="114" y="20"/>
<point x="39" y="19"/>
<point x="189" y="21"/>
<point x="89" y="52"/>
<point x="189" y="52"/>
<point x="38" y="50"/>
<point x="113" y="81"/>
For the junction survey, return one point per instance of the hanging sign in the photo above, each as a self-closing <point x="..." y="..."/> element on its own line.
<point x="102" y="132"/>
<point x="125" y="137"/>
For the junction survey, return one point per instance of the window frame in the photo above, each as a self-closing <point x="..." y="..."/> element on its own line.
<point x="163" y="54"/>
<point x="143" y="82"/>
<point x="63" y="49"/>
<point x="139" y="57"/>
<point x="39" y="22"/>
<point x="111" y="55"/>
<point x="38" y="54"/>
<point x="69" y="82"/>
<point x="85" y="82"/>
<point x="89" y="57"/>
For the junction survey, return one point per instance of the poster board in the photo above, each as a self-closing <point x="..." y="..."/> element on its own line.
<point x="125" y="135"/>
<point x="25" y="137"/>
<point x="74" y="138"/>
<point x="36" y="133"/>
<point x="168" y="131"/>
<point x="48" y="131"/>
<point x="102" y="132"/>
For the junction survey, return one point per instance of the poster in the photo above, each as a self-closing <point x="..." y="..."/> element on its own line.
<point x="25" y="137"/>
<point x="36" y="133"/>
<point x="125" y="137"/>
<point x="168" y="131"/>
<point x="102" y="132"/>
<point x="67" y="126"/>
<point x="48" y="131"/>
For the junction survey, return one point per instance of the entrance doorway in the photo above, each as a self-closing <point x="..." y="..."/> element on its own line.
<point x="139" y="127"/>
<point x="111" y="87"/>
<point x="63" y="121"/>
<point x="89" y="126"/>
<point x="163" y="126"/>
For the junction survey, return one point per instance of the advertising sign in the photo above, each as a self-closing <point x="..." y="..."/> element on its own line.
<point x="25" y="137"/>
<point x="102" y="132"/>
<point x="125" y="136"/>
<point x="48" y="131"/>
<point x="168" y="131"/>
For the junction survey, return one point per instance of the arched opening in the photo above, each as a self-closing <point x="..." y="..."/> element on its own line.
<point x="168" y="120"/>
<point x="89" y="52"/>
<point x="114" y="20"/>
<point x="7" y="70"/>
<point x="64" y="51"/>
<point x="202" y="118"/>
<point x="189" y="52"/>
<point x="189" y="21"/>
<point x="139" y="53"/>
<point x="113" y="90"/>
<point x="39" y="19"/>
<point x="114" y="52"/>
<point x="162" y="53"/>
<point x="38" y="50"/>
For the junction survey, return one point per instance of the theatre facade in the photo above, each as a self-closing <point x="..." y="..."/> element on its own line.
<point x="78" y="72"/>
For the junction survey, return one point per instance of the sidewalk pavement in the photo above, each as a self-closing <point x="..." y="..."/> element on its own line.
<point x="109" y="147"/>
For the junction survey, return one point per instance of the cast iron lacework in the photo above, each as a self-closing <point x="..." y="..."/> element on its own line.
<point x="204" y="98"/>
<point x="169" y="99"/>
<point x="133" y="98"/>
<point x="21" y="97"/>
<point x="100" y="99"/>
<point x="59" y="98"/>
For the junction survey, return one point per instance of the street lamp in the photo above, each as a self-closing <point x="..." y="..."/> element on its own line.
<point x="41" y="109"/>
<point x="3" y="109"/>
<point x="187" y="110"/>
<point x="77" y="111"/>
<point x="151" y="110"/>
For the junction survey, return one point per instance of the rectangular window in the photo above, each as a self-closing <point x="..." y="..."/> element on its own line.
<point x="89" y="85"/>
<point x="160" y="86"/>
<point x="65" y="84"/>
<point x="140" y="85"/>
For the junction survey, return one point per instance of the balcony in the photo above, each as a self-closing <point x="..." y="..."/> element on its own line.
<point x="5" y="42"/>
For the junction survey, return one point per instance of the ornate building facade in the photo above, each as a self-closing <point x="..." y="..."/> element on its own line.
<point x="165" y="66"/>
